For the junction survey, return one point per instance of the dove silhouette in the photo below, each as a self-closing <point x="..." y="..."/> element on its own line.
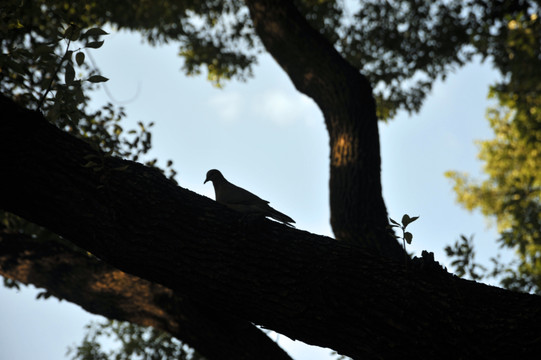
<point x="242" y="200"/>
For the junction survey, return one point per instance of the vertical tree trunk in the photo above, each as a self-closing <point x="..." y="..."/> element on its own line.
<point x="358" y="212"/>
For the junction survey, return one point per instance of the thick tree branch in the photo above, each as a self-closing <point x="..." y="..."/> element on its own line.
<point x="345" y="97"/>
<point x="306" y="286"/>
<point x="101" y="289"/>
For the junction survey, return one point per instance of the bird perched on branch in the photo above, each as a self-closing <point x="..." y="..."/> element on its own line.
<point x="242" y="200"/>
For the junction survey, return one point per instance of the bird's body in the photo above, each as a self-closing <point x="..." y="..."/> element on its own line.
<point x="242" y="200"/>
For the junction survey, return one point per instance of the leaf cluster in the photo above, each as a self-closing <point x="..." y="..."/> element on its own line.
<point x="135" y="343"/>
<point x="44" y="66"/>
<point x="464" y="259"/>
<point x="406" y="237"/>
<point x="406" y="220"/>
<point x="402" y="46"/>
<point x="511" y="193"/>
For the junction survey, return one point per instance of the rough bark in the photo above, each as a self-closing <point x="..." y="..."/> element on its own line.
<point x="308" y="287"/>
<point x="345" y="97"/>
<point x="104" y="290"/>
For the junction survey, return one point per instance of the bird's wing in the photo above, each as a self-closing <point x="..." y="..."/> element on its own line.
<point x="245" y="202"/>
<point x="232" y="194"/>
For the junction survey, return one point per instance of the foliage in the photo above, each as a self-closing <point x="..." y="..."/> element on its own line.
<point x="406" y="220"/>
<point x="406" y="237"/>
<point x="136" y="343"/>
<point x="402" y="46"/>
<point x="43" y="66"/>
<point x="511" y="195"/>
<point x="465" y="265"/>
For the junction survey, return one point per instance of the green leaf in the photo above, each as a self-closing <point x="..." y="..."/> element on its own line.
<point x="394" y="222"/>
<point x="94" y="44"/>
<point x="69" y="75"/>
<point x="406" y="219"/>
<point x="80" y="58"/>
<point x="16" y="25"/>
<point x="97" y="79"/>
<point x="412" y="219"/>
<point x="72" y="32"/>
<point x="408" y="237"/>
<point x="44" y="49"/>
<point x="95" y="32"/>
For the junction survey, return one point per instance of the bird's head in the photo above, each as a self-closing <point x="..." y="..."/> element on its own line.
<point x="214" y="175"/>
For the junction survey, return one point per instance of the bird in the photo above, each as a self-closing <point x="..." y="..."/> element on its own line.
<point x="242" y="200"/>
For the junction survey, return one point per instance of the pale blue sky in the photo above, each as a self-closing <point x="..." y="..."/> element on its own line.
<point x="268" y="138"/>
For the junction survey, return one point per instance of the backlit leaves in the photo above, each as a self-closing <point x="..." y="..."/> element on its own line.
<point x="80" y="58"/>
<point x="97" y="79"/>
<point x="95" y="32"/>
<point x="511" y="193"/>
<point x="94" y="44"/>
<point x="69" y="74"/>
<point x="137" y="342"/>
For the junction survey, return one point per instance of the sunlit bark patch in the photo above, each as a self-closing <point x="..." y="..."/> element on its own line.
<point x="342" y="150"/>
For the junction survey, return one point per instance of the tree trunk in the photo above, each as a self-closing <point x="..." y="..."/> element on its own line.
<point x="308" y="287"/>
<point x="358" y="212"/>
<point x="101" y="289"/>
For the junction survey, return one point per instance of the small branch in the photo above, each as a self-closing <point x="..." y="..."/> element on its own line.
<point x="57" y="70"/>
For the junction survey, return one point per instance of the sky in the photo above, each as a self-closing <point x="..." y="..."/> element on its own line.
<point x="268" y="138"/>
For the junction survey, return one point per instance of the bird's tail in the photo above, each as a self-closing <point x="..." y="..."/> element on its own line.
<point x="276" y="215"/>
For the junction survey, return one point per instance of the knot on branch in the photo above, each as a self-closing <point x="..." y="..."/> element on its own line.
<point x="428" y="265"/>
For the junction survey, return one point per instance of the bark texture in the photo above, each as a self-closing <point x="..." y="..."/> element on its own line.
<point x="101" y="289"/>
<point x="308" y="287"/>
<point x="358" y="212"/>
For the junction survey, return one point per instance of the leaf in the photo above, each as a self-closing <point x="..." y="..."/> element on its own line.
<point x="406" y="220"/>
<point x="95" y="32"/>
<point x="94" y="44"/>
<point x="69" y="75"/>
<point x="408" y="237"/>
<point x="97" y="79"/>
<point x="17" y="25"/>
<point x="43" y="49"/>
<point x="394" y="222"/>
<point x="412" y="219"/>
<point x="80" y="58"/>
<point x="72" y="32"/>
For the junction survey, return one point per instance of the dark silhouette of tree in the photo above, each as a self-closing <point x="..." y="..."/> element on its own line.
<point x="202" y="264"/>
